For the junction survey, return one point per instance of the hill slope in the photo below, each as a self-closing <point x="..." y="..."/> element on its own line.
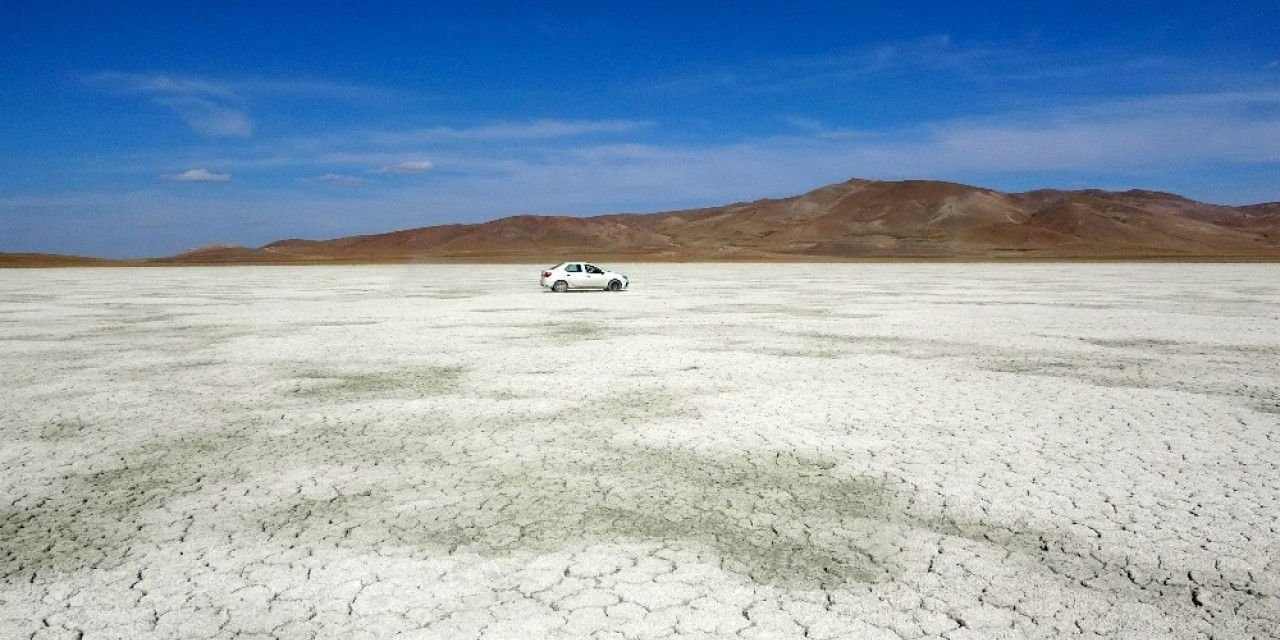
<point x="854" y="219"/>
<point x="849" y="220"/>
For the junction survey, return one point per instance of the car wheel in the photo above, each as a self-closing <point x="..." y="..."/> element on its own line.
<point x="614" y="285"/>
<point x="560" y="286"/>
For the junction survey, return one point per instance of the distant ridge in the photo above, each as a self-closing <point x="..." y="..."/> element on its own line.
<point x="857" y="219"/>
<point x="52" y="260"/>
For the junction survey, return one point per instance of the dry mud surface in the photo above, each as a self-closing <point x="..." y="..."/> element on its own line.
<point x="753" y="451"/>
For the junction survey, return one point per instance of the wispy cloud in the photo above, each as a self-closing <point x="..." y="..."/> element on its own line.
<point x="927" y="53"/>
<point x="214" y="107"/>
<point x="381" y="151"/>
<point x="339" y="180"/>
<point x="931" y="53"/>
<point x="198" y="175"/>
<point x="530" y="130"/>
<point x="1135" y="142"/>
<point x="229" y="88"/>
<point x="991" y="65"/>
<point x="407" y="167"/>
<point x="1127" y="136"/>
<point x="1138" y="134"/>
<point x="816" y="128"/>
<point x="1124" y="139"/>
<point x="160" y="84"/>
<point x="1120" y="138"/>
<point x="209" y="108"/>
<point x="208" y="117"/>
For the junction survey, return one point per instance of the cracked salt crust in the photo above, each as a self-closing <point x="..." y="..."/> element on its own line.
<point x="835" y="451"/>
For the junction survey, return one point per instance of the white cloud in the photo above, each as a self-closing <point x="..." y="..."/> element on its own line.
<point x="407" y="167"/>
<point x="199" y="175"/>
<point x="339" y="180"/>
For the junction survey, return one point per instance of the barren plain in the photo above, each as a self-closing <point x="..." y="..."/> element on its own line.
<point x="754" y="451"/>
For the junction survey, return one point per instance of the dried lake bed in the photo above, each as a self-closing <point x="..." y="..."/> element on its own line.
<point x="757" y="451"/>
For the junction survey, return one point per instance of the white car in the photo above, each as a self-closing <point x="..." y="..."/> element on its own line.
<point x="582" y="275"/>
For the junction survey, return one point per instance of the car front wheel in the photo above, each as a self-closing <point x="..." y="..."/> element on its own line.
<point x="560" y="286"/>
<point x="614" y="285"/>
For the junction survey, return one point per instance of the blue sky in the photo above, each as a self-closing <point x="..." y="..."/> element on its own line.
<point x="145" y="129"/>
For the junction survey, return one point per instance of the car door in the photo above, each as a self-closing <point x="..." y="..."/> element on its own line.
<point x="575" y="276"/>
<point x="593" y="277"/>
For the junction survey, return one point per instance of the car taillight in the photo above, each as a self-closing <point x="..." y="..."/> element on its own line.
<point x="546" y="274"/>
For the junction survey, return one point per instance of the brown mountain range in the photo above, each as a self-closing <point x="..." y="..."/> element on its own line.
<point x="851" y="220"/>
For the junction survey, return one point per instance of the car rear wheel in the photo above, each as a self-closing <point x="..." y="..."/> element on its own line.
<point x="614" y="285"/>
<point x="560" y="286"/>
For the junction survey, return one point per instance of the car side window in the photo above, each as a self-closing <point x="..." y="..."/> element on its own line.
<point x="591" y="268"/>
<point x="574" y="268"/>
